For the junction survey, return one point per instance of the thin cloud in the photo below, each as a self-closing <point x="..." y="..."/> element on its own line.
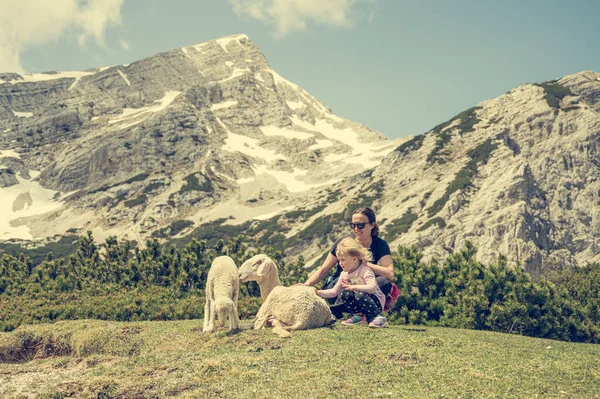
<point x="295" y="15"/>
<point x="28" y="23"/>
<point x="124" y="44"/>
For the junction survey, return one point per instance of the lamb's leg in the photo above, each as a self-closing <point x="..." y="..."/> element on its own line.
<point x="207" y="314"/>
<point x="261" y="319"/>
<point x="236" y="317"/>
<point x="208" y="306"/>
<point x="280" y="329"/>
<point x="234" y="322"/>
<point x="211" y="320"/>
<point x="294" y="327"/>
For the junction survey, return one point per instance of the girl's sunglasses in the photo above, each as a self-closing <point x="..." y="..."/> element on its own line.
<point x="359" y="225"/>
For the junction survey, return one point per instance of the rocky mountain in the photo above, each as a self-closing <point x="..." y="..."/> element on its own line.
<point x="517" y="175"/>
<point x="166" y="144"/>
<point x="208" y="141"/>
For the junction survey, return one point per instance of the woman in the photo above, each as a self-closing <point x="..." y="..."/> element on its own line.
<point x="365" y="229"/>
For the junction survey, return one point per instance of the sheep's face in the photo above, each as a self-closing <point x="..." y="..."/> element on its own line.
<point x="254" y="268"/>
<point x="223" y="309"/>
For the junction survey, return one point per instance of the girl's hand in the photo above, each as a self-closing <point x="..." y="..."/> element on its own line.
<point x="348" y="287"/>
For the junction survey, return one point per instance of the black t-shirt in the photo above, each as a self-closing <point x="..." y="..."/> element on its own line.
<point x="379" y="248"/>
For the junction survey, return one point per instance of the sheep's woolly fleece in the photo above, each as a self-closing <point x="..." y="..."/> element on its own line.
<point x="285" y="308"/>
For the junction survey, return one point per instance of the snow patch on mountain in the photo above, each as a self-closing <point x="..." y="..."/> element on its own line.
<point x="295" y="105"/>
<point x="134" y="113"/>
<point x="364" y="154"/>
<point x="224" y="42"/>
<point x="23" y="114"/>
<point x="124" y="76"/>
<point x="10" y="154"/>
<point x="27" y="198"/>
<point x="225" y="104"/>
<point x="285" y="132"/>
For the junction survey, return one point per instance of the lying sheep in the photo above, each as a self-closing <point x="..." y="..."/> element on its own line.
<point x="286" y="308"/>
<point x="222" y="290"/>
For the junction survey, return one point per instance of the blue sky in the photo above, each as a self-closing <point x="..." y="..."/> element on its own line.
<point x="399" y="67"/>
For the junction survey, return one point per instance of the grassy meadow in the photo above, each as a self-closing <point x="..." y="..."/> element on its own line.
<point x="100" y="359"/>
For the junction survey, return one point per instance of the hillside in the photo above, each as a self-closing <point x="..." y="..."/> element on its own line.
<point x="516" y="175"/>
<point x="168" y="143"/>
<point x="93" y="359"/>
<point x="209" y="142"/>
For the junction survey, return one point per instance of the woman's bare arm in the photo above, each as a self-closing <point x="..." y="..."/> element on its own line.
<point x="318" y="274"/>
<point x="385" y="267"/>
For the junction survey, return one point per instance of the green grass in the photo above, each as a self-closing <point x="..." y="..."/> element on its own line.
<point x="97" y="359"/>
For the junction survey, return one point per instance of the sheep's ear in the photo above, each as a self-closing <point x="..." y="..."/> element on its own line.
<point x="265" y="267"/>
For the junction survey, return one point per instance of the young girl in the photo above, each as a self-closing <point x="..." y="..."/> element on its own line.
<point x="357" y="284"/>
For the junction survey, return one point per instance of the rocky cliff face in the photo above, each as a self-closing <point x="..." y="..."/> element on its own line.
<point x="177" y="139"/>
<point x="517" y="175"/>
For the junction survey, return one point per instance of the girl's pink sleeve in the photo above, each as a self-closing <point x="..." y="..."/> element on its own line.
<point x="333" y="291"/>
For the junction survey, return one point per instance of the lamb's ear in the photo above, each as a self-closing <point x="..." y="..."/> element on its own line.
<point x="266" y="267"/>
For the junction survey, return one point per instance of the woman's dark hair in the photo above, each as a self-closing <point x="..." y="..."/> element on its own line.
<point x="368" y="212"/>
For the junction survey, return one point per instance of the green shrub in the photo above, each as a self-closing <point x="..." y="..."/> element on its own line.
<point x="173" y="229"/>
<point x="137" y="201"/>
<point x="136" y="178"/>
<point x="468" y="120"/>
<point x="399" y="226"/>
<point x="65" y="246"/>
<point x="464" y="178"/>
<point x="463" y="293"/>
<point x="554" y="92"/>
<point x="193" y="184"/>
<point x="153" y="186"/>
<point x="439" y="221"/>
<point x="117" y="281"/>
<point x="413" y="144"/>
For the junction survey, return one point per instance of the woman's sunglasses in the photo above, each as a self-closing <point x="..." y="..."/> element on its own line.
<point x="359" y="225"/>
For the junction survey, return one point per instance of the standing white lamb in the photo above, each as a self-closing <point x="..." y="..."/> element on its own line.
<point x="222" y="290"/>
<point x="286" y="308"/>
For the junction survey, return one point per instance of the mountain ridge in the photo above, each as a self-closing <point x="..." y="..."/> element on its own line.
<point x="163" y="139"/>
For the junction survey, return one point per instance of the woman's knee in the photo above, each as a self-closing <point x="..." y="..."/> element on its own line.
<point x="384" y="284"/>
